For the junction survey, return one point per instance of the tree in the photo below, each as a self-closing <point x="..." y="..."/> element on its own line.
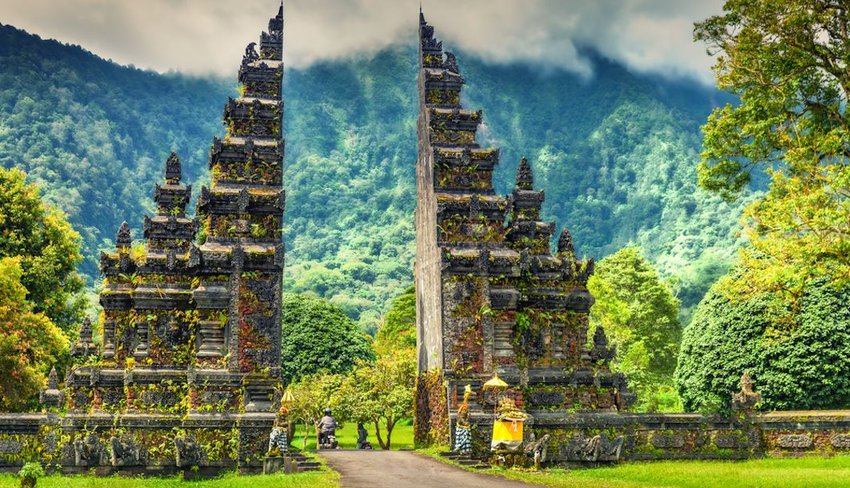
<point x="49" y="250"/>
<point x="789" y="61"/>
<point x="380" y="393"/>
<point x="398" y="330"/>
<point x="798" y="365"/>
<point x="312" y="394"/>
<point x="319" y="337"/>
<point x="29" y="342"/>
<point x="639" y="314"/>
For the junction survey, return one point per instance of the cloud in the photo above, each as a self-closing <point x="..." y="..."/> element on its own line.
<point x="208" y="36"/>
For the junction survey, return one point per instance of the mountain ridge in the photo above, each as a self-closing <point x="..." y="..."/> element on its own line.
<point x="616" y="156"/>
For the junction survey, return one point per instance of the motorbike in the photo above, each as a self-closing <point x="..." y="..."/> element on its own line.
<point x="327" y="440"/>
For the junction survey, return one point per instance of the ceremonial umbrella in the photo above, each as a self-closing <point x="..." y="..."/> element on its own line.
<point x="497" y="385"/>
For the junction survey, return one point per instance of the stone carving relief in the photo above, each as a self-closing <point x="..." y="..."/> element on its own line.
<point x="794" y="441"/>
<point x="594" y="449"/>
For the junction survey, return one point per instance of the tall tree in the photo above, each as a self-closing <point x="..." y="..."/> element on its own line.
<point x="398" y="328"/>
<point x="29" y="342"/>
<point x="794" y="368"/>
<point x="48" y="248"/>
<point x="380" y="393"/>
<point x="319" y="337"/>
<point x="639" y="313"/>
<point x="789" y="62"/>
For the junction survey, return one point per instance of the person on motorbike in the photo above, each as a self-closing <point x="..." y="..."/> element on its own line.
<point x="327" y="427"/>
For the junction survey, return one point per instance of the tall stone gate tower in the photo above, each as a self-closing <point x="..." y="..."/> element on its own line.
<point x="190" y="361"/>
<point x="491" y="296"/>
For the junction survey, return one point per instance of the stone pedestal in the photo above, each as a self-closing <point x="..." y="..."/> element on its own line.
<point x="273" y="464"/>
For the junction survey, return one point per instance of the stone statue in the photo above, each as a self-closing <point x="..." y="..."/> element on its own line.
<point x="746" y="399"/>
<point x="251" y="53"/>
<point x="463" y="435"/>
<point x="188" y="452"/>
<point x="537" y="450"/>
<point x="451" y="63"/>
<point x="279" y="437"/>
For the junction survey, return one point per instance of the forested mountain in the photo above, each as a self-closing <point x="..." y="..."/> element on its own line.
<point x="616" y="155"/>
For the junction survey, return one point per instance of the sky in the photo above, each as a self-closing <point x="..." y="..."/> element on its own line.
<point x="204" y="37"/>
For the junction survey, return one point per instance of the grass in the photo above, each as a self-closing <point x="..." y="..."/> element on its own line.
<point x="809" y="472"/>
<point x="347" y="436"/>
<point x="319" y="479"/>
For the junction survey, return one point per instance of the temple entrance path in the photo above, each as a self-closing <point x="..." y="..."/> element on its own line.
<point x="397" y="469"/>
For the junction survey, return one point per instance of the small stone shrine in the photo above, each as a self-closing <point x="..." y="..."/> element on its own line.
<point x="188" y="373"/>
<point x="493" y="299"/>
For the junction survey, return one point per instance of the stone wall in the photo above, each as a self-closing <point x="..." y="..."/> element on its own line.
<point x="589" y="438"/>
<point x="134" y="444"/>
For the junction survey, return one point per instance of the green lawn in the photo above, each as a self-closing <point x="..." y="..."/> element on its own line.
<point x="347" y="436"/>
<point x="761" y="473"/>
<point x="323" y="479"/>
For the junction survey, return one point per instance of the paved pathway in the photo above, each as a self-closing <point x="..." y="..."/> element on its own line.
<point x="398" y="469"/>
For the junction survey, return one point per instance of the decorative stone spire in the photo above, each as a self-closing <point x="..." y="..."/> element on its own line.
<point x="601" y="351"/>
<point x="124" y="237"/>
<point x="53" y="379"/>
<point x="276" y="23"/>
<point x="173" y="169"/>
<point x="52" y="396"/>
<point x="524" y="178"/>
<point x="85" y="344"/>
<point x="451" y="63"/>
<point x="565" y="243"/>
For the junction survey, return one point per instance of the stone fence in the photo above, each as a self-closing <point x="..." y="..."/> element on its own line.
<point x="134" y="444"/>
<point x="598" y="437"/>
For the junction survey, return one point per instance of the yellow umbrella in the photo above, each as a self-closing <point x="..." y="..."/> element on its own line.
<point x="495" y="383"/>
<point x="287" y="398"/>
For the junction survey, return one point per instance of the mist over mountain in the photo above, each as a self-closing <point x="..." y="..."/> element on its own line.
<point x="615" y="153"/>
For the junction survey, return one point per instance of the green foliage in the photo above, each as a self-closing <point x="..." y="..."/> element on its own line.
<point x="398" y="330"/>
<point x="49" y="250"/>
<point x="312" y="394"/>
<point x="639" y="314"/>
<point x="319" y="337"/>
<point x="788" y="62"/>
<point x="799" y="364"/>
<point x="380" y="393"/>
<point x="29" y="342"/>
<point x="31" y="471"/>
<point x="94" y="135"/>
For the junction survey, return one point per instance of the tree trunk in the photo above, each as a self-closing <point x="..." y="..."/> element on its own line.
<point x="378" y="435"/>
<point x="390" y="426"/>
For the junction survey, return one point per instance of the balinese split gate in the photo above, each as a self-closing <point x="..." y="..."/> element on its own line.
<point x="188" y="374"/>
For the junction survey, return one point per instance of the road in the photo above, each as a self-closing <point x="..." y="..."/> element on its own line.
<point x="394" y="469"/>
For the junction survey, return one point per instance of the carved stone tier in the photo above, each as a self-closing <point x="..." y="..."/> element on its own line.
<point x="225" y="200"/>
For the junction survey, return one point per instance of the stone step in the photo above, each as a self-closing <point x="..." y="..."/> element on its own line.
<point x="467" y="462"/>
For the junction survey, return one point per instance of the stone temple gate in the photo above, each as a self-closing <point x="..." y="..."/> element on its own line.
<point x="188" y="374"/>
<point x="492" y="298"/>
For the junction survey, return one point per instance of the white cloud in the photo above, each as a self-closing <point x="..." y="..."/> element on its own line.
<point x="208" y="36"/>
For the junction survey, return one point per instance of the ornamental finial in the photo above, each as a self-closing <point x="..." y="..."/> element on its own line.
<point x="124" y="237"/>
<point x="173" y="169"/>
<point x="565" y="243"/>
<point x="524" y="178"/>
